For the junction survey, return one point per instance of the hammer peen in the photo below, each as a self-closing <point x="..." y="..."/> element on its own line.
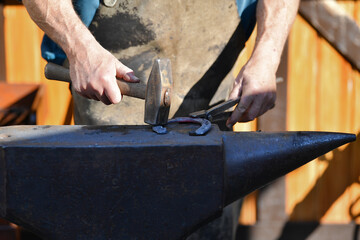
<point x="156" y="93"/>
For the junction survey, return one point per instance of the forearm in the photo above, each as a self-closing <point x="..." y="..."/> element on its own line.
<point x="255" y="83"/>
<point x="60" y="22"/>
<point x="274" y="21"/>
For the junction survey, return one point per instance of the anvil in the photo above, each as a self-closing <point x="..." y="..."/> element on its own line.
<point x="127" y="182"/>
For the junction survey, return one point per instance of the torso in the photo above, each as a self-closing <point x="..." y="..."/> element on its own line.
<point x="191" y="33"/>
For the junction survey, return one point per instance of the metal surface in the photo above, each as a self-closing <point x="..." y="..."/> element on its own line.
<point x="201" y="131"/>
<point x="112" y="182"/>
<point x="267" y="156"/>
<point x="110" y="3"/>
<point x="159" y="129"/>
<point x="127" y="182"/>
<point x="158" y="93"/>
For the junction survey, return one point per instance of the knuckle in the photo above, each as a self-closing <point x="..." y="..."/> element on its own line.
<point x="91" y="87"/>
<point x="82" y="89"/>
<point x="241" y="108"/>
<point x="104" y="79"/>
<point x="271" y="96"/>
<point x="76" y="88"/>
<point x="97" y="92"/>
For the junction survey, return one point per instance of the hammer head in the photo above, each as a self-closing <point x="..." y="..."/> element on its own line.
<point x="158" y="93"/>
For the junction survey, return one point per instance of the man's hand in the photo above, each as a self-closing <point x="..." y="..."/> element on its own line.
<point x="256" y="82"/>
<point x="93" y="70"/>
<point x="95" y="73"/>
<point x="256" y="87"/>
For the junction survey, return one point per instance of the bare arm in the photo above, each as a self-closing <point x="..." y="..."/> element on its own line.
<point x="256" y="82"/>
<point x="93" y="69"/>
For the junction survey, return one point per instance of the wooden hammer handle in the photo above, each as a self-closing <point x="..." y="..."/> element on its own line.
<point x="56" y="72"/>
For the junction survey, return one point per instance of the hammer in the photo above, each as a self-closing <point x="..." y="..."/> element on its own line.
<point x="156" y="93"/>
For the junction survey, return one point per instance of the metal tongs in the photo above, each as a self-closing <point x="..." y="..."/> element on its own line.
<point x="218" y="112"/>
<point x="204" y="118"/>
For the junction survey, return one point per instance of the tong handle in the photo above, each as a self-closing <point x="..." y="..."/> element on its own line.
<point x="222" y="107"/>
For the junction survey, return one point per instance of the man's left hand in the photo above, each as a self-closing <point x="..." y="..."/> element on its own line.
<point x="256" y="87"/>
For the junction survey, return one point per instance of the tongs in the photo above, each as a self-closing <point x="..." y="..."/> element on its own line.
<point x="218" y="112"/>
<point x="204" y="118"/>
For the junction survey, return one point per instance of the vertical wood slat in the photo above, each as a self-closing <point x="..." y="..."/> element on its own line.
<point x="334" y="117"/>
<point x="24" y="64"/>
<point x="327" y="100"/>
<point x="2" y="47"/>
<point x="301" y="110"/>
<point x="354" y="209"/>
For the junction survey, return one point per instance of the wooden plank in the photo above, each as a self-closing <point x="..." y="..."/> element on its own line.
<point x="2" y="46"/>
<point x="12" y="93"/>
<point x="25" y="65"/>
<point x="301" y="111"/>
<point x="335" y="77"/>
<point x="354" y="189"/>
<point x="271" y="199"/>
<point x="336" y="26"/>
<point x="332" y="115"/>
<point x="326" y="190"/>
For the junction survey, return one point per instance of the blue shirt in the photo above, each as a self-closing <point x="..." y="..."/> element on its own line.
<point x="86" y="9"/>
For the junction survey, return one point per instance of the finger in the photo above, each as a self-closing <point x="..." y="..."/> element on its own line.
<point x="268" y="103"/>
<point x="93" y="97"/>
<point x="240" y="110"/>
<point x="266" y="108"/>
<point x="112" y="92"/>
<point x="133" y="78"/>
<point x="253" y="111"/>
<point x="86" y="95"/>
<point x="104" y="99"/>
<point x="125" y="73"/>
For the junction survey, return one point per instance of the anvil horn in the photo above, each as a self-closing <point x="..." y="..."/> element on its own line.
<point x="263" y="157"/>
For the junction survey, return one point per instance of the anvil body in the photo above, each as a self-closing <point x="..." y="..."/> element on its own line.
<point x="127" y="182"/>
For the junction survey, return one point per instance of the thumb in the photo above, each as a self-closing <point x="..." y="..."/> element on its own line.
<point x="125" y="73"/>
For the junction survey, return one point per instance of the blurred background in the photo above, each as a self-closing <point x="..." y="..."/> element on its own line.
<point x="319" y="90"/>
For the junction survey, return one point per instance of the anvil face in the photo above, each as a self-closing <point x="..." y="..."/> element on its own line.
<point x="118" y="182"/>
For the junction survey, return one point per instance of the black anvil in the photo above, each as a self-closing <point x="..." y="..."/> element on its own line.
<point x="127" y="182"/>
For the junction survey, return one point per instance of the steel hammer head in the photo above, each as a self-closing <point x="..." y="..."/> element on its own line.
<point x="158" y="93"/>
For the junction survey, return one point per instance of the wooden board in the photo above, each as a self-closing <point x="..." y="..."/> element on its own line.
<point x="2" y="47"/>
<point x="336" y="25"/>
<point x="12" y="93"/>
<point x="323" y="96"/>
<point x="25" y="65"/>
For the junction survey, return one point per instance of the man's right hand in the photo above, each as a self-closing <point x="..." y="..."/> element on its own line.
<point x="93" y="70"/>
<point x="94" y="73"/>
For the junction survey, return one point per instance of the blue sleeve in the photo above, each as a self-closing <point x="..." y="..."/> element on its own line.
<point x="86" y="9"/>
<point x="247" y="13"/>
